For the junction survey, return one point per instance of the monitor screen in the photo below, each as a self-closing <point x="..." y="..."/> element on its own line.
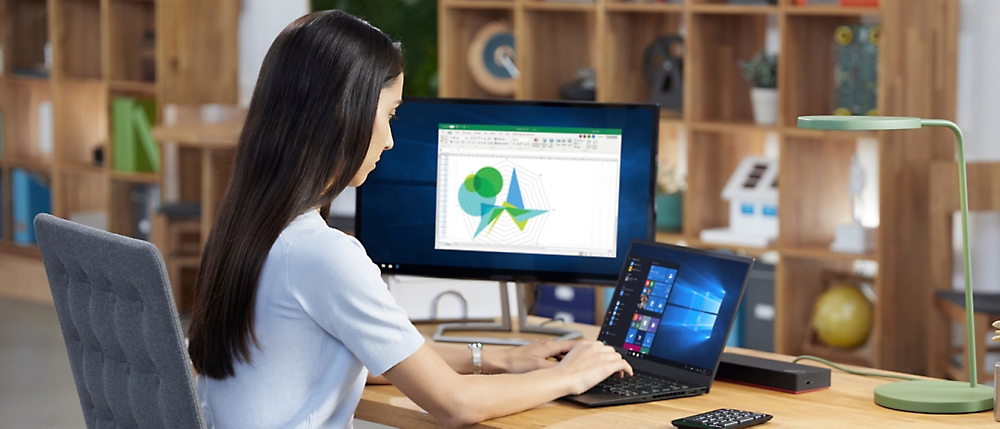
<point x="675" y="305"/>
<point x="511" y="190"/>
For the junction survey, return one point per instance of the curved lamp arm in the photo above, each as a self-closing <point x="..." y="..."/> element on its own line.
<point x="966" y="262"/>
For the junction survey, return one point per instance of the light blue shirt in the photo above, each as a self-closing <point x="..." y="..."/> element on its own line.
<point x="322" y="316"/>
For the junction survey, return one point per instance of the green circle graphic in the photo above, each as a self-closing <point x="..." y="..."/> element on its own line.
<point x="488" y="182"/>
<point x="470" y="183"/>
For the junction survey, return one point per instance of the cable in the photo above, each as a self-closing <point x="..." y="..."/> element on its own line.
<point x="853" y="371"/>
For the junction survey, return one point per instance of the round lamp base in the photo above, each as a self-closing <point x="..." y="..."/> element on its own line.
<point x="935" y="397"/>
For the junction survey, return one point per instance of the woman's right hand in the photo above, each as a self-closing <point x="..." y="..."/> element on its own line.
<point x="590" y="362"/>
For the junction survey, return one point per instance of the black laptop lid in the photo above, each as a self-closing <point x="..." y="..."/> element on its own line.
<point x="673" y="308"/>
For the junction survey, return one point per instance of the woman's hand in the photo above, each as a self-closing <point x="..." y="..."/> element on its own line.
<point x="590" y="362"/>
<point x="529" y="357"/>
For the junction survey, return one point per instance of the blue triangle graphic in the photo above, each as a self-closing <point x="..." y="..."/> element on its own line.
<point x="514" y="193"/>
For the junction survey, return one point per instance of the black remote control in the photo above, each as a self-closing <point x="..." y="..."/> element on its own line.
<point x="723" y="418"/>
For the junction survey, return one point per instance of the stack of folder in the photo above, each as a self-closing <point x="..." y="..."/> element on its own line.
<point x="133" y="148"/>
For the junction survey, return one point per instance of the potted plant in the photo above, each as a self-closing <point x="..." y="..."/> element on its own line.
<point x="670" y="188"/>
<point x="762" y="72"/>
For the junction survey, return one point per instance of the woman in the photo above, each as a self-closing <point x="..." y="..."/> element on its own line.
<point x="291" y="316"/>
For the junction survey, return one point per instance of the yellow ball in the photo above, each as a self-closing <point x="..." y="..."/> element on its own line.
<point x="843" y="317"/>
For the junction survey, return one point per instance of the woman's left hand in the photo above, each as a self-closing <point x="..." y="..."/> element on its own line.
<point x="529" y="357"/>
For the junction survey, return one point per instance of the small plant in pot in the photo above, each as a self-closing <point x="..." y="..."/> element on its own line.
<point x="762" y="72"/>
<point x="670" y="187"/>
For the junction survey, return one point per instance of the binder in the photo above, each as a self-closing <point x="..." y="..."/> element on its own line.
<point x="30" y="196"/>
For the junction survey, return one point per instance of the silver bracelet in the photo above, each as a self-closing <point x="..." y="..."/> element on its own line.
<point x="477" y="358"/>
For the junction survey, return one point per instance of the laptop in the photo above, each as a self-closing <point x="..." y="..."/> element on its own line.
<point x="669" y="318"/>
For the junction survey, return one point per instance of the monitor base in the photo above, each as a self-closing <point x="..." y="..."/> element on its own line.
<point x="505" y="325"/>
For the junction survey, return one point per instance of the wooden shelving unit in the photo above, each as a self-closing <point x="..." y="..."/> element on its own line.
<point x="101" y="50"/>
<point x="918" y="45"/>
<point x="96" y="50"/>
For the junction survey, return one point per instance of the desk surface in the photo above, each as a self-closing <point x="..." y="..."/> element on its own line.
<point x="847" y="403"/>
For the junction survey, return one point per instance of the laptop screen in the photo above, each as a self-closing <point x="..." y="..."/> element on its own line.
<point x="674" y="305"/>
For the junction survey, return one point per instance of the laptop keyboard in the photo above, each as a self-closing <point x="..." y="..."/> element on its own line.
<point x="639" y="384"/>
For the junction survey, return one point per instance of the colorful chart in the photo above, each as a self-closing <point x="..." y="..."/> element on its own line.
<point x="478" y="197"/>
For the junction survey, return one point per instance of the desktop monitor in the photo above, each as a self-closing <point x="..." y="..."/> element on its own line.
<point x="511" y="190"/>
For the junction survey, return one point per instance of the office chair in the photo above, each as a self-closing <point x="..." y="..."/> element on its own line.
<point x="120" y="325"/>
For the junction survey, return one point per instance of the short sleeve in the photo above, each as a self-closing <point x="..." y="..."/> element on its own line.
<point x="341" y="289"/>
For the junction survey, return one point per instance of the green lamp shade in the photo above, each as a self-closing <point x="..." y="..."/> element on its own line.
<point x="925" y="396"/>
<point x="858" y="123"/>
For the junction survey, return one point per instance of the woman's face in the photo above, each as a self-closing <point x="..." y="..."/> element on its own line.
<point x="388" y="100"/>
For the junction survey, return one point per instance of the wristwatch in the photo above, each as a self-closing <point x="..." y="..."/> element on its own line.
<point x="477" y="357"/>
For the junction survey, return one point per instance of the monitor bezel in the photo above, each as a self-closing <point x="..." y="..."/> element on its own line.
<point x="474" y="273"/>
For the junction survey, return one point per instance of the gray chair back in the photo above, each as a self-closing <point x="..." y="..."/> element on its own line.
<point x="121" y="328"/>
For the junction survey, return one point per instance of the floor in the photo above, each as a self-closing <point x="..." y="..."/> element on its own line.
<point x="36" y="383"/>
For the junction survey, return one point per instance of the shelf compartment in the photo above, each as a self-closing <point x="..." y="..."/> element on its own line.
<point x="732" y="127"/>
<point x="693" y="242"/>
<point x="628" y="34"/>
<point x="824" y="253"/>
<point x="645" y="7"/>
<point x="808" y="64"/>
<point x="716" y="44"/>
<point x="561" y="6"/>
<point x="82" y="117"/>
<point x="824" y="10"/>
<point x="78" y="38"/>
<point x="80" y="192"/>
<point x="150" y="178"/>
<point x="132" y="87"/>
<point x="131" y="41"/>
<point x="7" y="247"/>
<point x="25" y="24"/>
<point x="480" y="4"/>
<point x="811" y="210"/>
<point x="81" y="169"/>
<point x="793" y="131"/>
<point x="704" y="207"/>
<point x="20" y="108"/>
<point x="37" y="165"/>
<point x="798" y="283"/>
<point x="457" y="29"/>
<point x="559" y="45"/>
<point x="130" y="206"/>
<point x="728" y="9"/>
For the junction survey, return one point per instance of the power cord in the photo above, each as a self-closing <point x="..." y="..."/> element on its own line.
<point x="853" y="371"/>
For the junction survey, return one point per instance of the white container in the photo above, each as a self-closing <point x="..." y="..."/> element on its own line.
<point x="765" y="105"/>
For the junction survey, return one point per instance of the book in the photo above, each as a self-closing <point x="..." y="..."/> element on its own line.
<point x="123" y="137"/>
<point x="148" y="151"/>
<point x="134" y="149"/>
<point x="30" y="195"/>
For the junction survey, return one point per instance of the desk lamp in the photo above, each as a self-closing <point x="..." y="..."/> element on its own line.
<point x="925" y="396"/>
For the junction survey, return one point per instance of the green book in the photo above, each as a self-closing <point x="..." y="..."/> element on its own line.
<point x="123" y="137"/>
<point x="147" y="151"/>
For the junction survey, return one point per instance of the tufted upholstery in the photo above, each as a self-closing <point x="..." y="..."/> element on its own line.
<point x="120" y="324"/>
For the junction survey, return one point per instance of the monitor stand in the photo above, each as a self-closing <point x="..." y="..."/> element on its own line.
<point x="505" y="325"/>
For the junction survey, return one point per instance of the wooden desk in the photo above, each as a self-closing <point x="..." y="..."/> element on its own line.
<point x="216" y="142"/>
<point x="847" y="403"/>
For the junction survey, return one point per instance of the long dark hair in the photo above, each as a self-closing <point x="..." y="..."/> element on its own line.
<point x="306" y="134"/>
